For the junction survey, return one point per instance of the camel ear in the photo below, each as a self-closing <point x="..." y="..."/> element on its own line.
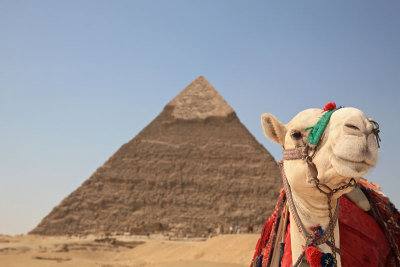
<point x="273" y="129"/>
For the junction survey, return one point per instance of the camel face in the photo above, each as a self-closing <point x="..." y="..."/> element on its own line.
<point x="347" y="148"/>
<point x="354" y="149"/>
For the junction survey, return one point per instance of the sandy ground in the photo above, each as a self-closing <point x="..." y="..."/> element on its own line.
<point x="123" y="251"/>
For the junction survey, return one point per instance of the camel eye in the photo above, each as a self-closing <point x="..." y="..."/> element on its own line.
<point x="351" y="126"/>
<point x="296" y="135"/>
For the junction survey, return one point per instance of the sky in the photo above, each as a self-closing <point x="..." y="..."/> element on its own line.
<point x="80" y="78"/>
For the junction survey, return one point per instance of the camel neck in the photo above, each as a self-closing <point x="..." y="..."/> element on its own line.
<point x="313" y="211"/>
<point x="308" y="209"/>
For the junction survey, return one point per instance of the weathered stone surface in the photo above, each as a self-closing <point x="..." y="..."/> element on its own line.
<point x="194" y="169"/>
<point x="198" y="101"/>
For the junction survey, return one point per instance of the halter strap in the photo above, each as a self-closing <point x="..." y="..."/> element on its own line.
<point x="292" y="154"/>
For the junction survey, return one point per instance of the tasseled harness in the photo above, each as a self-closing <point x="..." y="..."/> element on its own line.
<point x="307" y="153"/>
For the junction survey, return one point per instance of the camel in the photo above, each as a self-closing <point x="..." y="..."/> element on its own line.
<point x="326" y="153"/>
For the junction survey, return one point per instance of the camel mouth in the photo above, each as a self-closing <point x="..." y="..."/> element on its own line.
<point x="350" y="167"/>
<point x="351" y="161"/>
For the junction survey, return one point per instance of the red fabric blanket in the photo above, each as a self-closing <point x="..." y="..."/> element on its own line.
<point x="362" y="240"/>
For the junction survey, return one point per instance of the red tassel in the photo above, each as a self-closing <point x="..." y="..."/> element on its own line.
<point x="313" y="256"/>
<point x="330" y="106"/>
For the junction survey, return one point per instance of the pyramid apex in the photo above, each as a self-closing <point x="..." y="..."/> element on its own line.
<point x="199" y="100"/>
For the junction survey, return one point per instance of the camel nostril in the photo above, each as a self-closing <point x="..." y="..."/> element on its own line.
<point x="351" y="126"/>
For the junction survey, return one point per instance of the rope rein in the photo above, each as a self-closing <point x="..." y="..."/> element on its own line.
<point x="328" y="236"/>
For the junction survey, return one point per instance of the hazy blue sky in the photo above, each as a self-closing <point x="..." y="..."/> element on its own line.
<point x="80" y="78"/>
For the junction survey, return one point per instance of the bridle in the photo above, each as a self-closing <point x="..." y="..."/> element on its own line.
<point x="307" y="153"/>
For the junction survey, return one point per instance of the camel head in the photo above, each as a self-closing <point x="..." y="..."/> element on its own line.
<point x="347" y="148"/>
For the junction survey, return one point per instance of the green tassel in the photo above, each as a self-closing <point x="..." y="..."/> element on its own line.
<point x="318" y="129"/>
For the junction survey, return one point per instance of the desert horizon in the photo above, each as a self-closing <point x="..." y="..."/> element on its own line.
<point x="127" y="250"/>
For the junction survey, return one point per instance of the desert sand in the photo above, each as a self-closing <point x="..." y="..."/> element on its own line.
<point x="122" y="251"/>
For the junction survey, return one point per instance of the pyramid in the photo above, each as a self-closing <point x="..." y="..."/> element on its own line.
<point x="194" y="170"/>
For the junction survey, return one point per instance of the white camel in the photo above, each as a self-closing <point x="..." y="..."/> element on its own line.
<point x="318" y="174"/>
